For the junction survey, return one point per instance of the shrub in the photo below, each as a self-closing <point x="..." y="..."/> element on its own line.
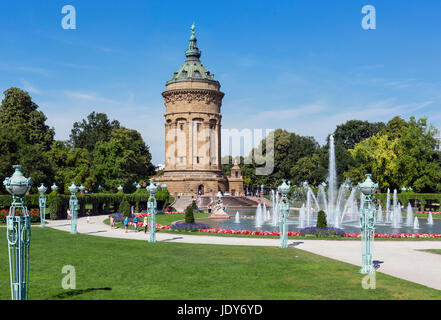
<point x="54" y="207"/>
<point x="321" y="220"/>
<point x="125" y="209"/>
<point x="192" y="227"/>
<point x="189" y="215"/>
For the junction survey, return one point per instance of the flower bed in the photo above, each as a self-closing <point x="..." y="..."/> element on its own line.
<point x="158" y="226"/>
<point x="322" y="232"/>
<point x="248" y="232"/>
<point x="33" y="213"/>
<point x="192" y="227"/>
<point x="398" y="236"/>
<point x="427" y="212"/>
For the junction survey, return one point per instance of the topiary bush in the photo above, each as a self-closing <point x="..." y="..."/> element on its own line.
<point x="321" y="220"/>
<point x="189" y="215"/>
<point x="54" y="206"/>
<point x="124" y="208"/>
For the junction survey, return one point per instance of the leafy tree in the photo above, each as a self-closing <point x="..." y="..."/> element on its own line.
<point x="308" y="169"/>
<point x="354" y="131"/>
<point x="15" y="150"/>
<point x="122" y="160"/>
<point x="19" y="114"/>
<point x="288" y="149"/>
<point x="97" y="128"/>
<point x="403" y="154"/>
<point x="125" y="209"/>
<point x="72" y="165"/>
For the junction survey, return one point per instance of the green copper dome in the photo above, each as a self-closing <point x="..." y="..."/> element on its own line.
<point x="192" y="69"/>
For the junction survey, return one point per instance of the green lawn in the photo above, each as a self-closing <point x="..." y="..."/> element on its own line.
<point x="438" y="251"/>
<point x="109" y="268"/>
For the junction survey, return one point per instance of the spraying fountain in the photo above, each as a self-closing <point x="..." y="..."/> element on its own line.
<point x="416" y="224"/>
<point x="259" y="218"/>
<point x="409" y="215"/>
<point x="237" y="218"/>
<point x="430" y="219"/>
<point x="380" y="214"/>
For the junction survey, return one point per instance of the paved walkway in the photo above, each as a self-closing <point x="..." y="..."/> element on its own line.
<point x="402" y="259"/>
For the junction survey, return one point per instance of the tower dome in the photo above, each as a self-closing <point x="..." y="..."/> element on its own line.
<point x="193" y="69"/>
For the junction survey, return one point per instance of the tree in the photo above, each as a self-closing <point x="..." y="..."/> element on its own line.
<point x="97" y="128"/>
<point x="401" y="155"/>
<point x="308" y="169"/>
<point x="354" y="131"/>
<point x="19" y="114"/>
<point x="71" y="165"/>
<point x="15" y="150"/>
<point x="125" y="209"/>
<point x="122" y="160"/>
<point x="288" y="149"/>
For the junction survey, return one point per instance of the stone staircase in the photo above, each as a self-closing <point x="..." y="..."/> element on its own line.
<point x="182" y="202"/>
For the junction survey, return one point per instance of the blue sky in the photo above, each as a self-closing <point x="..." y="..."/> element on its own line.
<point x="305" y="66"/>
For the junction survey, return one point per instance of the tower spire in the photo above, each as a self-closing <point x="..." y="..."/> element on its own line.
<point x="193" y="53"/>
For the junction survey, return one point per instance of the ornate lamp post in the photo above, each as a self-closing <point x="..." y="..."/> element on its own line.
<point x="82" y="188"/>
<point x="284" y="210"/>
<point x="367" y="222"/>
<point x="120" y="188"/>
<point x="73" y="205"/>
<point x="151" y="208"/>
<point x="18" y="234"/>
<point x="54" y="187"/>
<point x="42" y="202"/>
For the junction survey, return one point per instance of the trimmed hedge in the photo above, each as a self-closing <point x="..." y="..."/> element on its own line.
<point x="406" y="197"/>
<point x="58" y="204"/>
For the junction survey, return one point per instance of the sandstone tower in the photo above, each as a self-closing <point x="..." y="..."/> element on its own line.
<point x="193" y="129"/>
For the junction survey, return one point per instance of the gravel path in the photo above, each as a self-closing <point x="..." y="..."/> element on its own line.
<point x="402" y="259"/>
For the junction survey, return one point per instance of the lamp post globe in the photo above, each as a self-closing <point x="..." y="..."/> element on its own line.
<point x="367" y="223"/>
<point x="54" y="187"/>
<point x="73" y="206"/>
<point x="151" y="209"/>
<point x="18" y="232"/>
<point x="284" y="210"/>
<point x="42" y="202"/>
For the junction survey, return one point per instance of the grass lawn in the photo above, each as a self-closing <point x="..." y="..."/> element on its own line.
<point x="109" y="268"/>
<point x="438" y="251"/>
